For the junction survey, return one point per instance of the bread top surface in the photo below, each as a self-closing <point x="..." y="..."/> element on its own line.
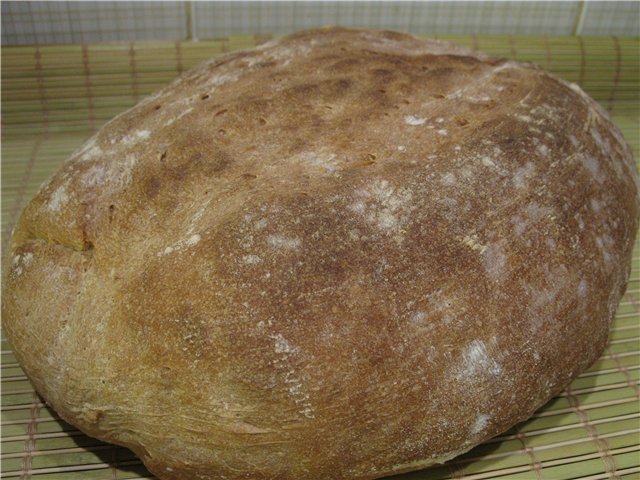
<point x="339" y="255"/>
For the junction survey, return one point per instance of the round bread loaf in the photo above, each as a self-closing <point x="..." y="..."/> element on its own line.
<point x="340" y="255"/>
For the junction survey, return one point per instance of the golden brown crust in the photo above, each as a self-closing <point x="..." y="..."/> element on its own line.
<point x="339" y="255"/>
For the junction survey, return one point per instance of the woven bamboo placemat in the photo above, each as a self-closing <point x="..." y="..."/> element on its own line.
<point x="53" y="97"/>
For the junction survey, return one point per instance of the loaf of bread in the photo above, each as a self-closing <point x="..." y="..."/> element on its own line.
<point x="341" y="255"/>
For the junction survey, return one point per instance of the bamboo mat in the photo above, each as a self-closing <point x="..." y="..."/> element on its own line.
<point x="53" y="97"/>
